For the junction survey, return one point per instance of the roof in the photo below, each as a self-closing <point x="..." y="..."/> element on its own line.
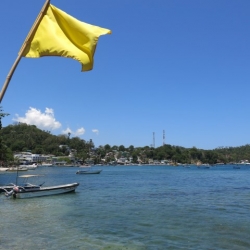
<point x="30" y="175"/>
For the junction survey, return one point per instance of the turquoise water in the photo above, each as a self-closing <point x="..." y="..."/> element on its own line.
<point x="133" y="207"/>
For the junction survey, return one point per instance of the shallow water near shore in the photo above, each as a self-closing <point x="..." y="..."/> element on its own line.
<point x="132" y="207"/>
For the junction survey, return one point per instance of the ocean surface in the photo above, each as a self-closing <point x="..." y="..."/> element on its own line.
<point x="132" y="207"/>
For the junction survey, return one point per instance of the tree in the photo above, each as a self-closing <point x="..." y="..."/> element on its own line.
<point x="3" y="148"/>
<point x="135" y="157"/>
<point x="107" y="147"/>
<point x="121" y="148"/>
<point x="131" y="148"/>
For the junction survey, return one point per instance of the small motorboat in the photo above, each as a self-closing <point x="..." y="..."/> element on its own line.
<point x="30" y="166"/>
<point x="17" y="169"/>
<point x="89" y="171"/>
<point x="28" y="190"/>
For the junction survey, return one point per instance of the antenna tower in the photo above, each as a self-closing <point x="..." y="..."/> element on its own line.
<point x="163" y="137"/>
<point x="154" y="139"/>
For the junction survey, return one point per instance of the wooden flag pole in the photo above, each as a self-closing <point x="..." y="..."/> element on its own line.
<point x="26" y="42"/>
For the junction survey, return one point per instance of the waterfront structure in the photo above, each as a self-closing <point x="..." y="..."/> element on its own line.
<point x="28" y="157"/>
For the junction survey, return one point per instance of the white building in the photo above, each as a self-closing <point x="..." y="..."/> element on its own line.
<point x="29" y="157"/>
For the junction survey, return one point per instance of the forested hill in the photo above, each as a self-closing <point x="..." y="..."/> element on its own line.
<point x="23" y="137"/>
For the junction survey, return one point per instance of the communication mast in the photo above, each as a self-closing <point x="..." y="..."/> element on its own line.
<point x="153" y="139"/>
<point x="163" y="137"/>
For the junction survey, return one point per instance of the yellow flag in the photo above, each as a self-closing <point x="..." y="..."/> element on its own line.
<point x="60" y="34"/>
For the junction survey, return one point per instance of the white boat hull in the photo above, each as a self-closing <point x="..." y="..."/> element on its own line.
<point x="3" y="169"/>
<point x="14" y="169"/>
<point x="29" y="167"/>
<point x="45" y="191"/>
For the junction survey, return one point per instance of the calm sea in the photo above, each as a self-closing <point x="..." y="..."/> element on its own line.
<point x="132" y="207"/>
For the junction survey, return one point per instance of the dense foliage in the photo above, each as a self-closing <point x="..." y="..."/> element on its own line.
<point x="5" y="152"/>
<point x="23" y="137"/>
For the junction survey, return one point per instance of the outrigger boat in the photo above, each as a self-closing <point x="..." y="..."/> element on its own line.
<point x="28" y="190"/>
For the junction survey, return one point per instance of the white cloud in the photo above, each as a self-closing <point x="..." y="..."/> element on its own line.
<point x="67" y="130"/>
<point x="45" y="121"/>
<point x="78" y="132"/>
<point x="96" y="131"/>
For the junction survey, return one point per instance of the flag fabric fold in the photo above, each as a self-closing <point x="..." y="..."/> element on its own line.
<point x="60" y="34"/>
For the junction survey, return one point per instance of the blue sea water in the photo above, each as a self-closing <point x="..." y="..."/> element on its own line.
<point x="132" y="207"/>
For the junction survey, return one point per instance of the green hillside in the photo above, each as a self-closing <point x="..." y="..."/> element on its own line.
<point x="22" y="137"/>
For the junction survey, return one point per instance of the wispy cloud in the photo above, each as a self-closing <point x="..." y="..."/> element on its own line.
<point x="42" y="120"/>
<point x="96" y="131"/>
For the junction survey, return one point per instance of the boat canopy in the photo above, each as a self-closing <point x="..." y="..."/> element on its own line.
<point x="29" y="175"/>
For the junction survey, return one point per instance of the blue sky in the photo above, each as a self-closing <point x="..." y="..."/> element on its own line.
<point x="174" y="65"/>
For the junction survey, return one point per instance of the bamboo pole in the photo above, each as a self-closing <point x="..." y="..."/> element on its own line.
<point x="26" y="42"/>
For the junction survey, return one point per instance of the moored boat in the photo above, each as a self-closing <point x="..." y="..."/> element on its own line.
<point x="30" y="166"/>
<point x="89" y="171"/>
<point x="15" y="169"/>
<point x="3" y="169"/>
<point x="29" y="190"/>
<point x="46" y="165"/>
